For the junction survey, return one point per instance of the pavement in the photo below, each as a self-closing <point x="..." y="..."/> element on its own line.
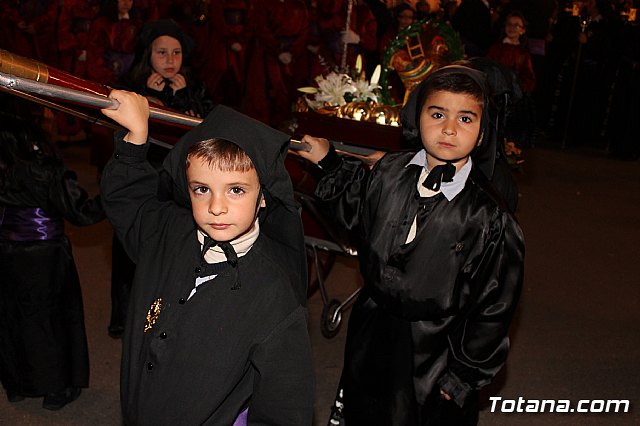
<point x="576" y="335"/>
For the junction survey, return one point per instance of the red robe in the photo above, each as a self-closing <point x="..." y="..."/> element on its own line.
<point x="147" y="10"/>
<point x="192" y="17"/>
<point x="111" y="48"/>
<point x="227" y="27"/>
<point x="74" y="23"/>
<point x="110" y="53"/>
<point x="279" y="26"/>
<point x="518" y="58"/>
<point x="30" y="25"/>
<point x="332" y="18"/>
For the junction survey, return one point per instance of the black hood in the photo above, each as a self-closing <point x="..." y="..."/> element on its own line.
<point x="164" y="27"/>
<point x="267" y="148"/>
<point x="484" y="155"/>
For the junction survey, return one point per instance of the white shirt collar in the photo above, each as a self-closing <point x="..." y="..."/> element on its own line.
<point x="448" y="189"/>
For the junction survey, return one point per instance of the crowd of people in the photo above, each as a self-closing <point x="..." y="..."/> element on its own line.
<point x="416" y="354"/>
<point x="252" y="55"/>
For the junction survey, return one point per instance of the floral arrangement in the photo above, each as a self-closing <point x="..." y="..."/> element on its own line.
<point x="346" y="96"/>
<point x="337" y="89"/>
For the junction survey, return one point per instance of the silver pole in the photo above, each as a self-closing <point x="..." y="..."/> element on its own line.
<point x="21" y="85"/>
<point x="88" y="99"/>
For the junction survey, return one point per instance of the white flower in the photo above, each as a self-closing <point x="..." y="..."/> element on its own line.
<point x="365" y="91"/>
<point x="333" y="87"/>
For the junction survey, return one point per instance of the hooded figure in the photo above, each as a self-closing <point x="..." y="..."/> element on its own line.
<point x="211" y="342"/>
<point x="267" y="148"/>
<point x="500" y="89"/>
<point x="484" y="154"/>
<point x="442" y="267"/>
<point x="161" y="69"/>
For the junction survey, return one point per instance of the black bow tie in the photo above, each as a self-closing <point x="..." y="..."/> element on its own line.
<point x="439" y="174"/>
<point x="229" y="252"/>
<point x="227" y="249"/>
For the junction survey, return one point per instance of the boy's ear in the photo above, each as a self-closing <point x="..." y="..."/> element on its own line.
<point x="263" y="203"/>
<point x="480" y="138"/>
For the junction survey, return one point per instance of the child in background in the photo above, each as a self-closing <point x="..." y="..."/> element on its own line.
<point x="441" y="257"/>
<point x="43" y="345"/>
<point x="216" y="330"/>
<point x="160" y="70"/>
<point x="513" y="52"/>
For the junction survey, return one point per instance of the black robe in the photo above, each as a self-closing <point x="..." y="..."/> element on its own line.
<point x="43" y="344"/>
<point x="204" y="360"/>
<point x="434" y="313"/>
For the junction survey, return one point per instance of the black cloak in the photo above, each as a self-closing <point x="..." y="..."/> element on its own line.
<point x="434" y="312"/>
<point x="204" y="358"/>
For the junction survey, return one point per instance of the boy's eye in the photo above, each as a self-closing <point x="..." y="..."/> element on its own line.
<point x="466" y="119"/>
<point x="200" y="190"/>
<point x="437" y="115"/>
<point x="236" y="190"/>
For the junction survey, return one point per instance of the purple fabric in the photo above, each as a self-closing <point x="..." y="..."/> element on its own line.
<point x="29" y="224"/>
<point x="241" y="420"/>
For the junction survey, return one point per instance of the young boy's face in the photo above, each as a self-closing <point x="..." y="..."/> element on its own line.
<point x="223" y="203"/>
<point x="449" y="125"/>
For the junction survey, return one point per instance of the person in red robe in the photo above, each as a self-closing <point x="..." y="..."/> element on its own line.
<point x="361" y="37"/>
<point x="513" y="52"/>
<point x="229" y="39"/>
<point x="111" y="42"/>
<point x="30" y="25"/>
<point x="280" y="29"/>
<point x="74" y="22"/>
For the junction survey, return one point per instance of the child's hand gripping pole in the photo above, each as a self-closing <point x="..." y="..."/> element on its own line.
<point x="315" y="149"/>
<point x="132" y="112"/>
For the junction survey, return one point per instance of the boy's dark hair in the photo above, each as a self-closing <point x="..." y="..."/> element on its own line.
<point x="454" y="83"/>
<point x="221" y="154"/>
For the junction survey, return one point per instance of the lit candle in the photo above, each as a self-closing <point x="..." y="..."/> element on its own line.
<point x="357" y="115"/>
<point x="358" y="64"/>
<point x="376" y="75"/>
<point x="381" y="119"/>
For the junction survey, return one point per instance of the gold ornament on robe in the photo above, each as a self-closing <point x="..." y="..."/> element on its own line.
<point x="152" y="314"/>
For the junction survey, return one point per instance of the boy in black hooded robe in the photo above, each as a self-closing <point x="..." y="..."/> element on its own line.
<point x="441" y="257"/>
<point x="240" y="342"/>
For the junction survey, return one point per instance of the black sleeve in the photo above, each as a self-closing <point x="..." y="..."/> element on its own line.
<point x="342" y="188"/>
<point x="478" y="346"/>
<point x="283" y="391"/>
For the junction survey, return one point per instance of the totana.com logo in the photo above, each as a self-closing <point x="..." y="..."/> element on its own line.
<point x="522" y="405"/>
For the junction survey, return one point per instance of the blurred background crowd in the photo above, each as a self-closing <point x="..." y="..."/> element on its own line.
<point x="577" y="61"/>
